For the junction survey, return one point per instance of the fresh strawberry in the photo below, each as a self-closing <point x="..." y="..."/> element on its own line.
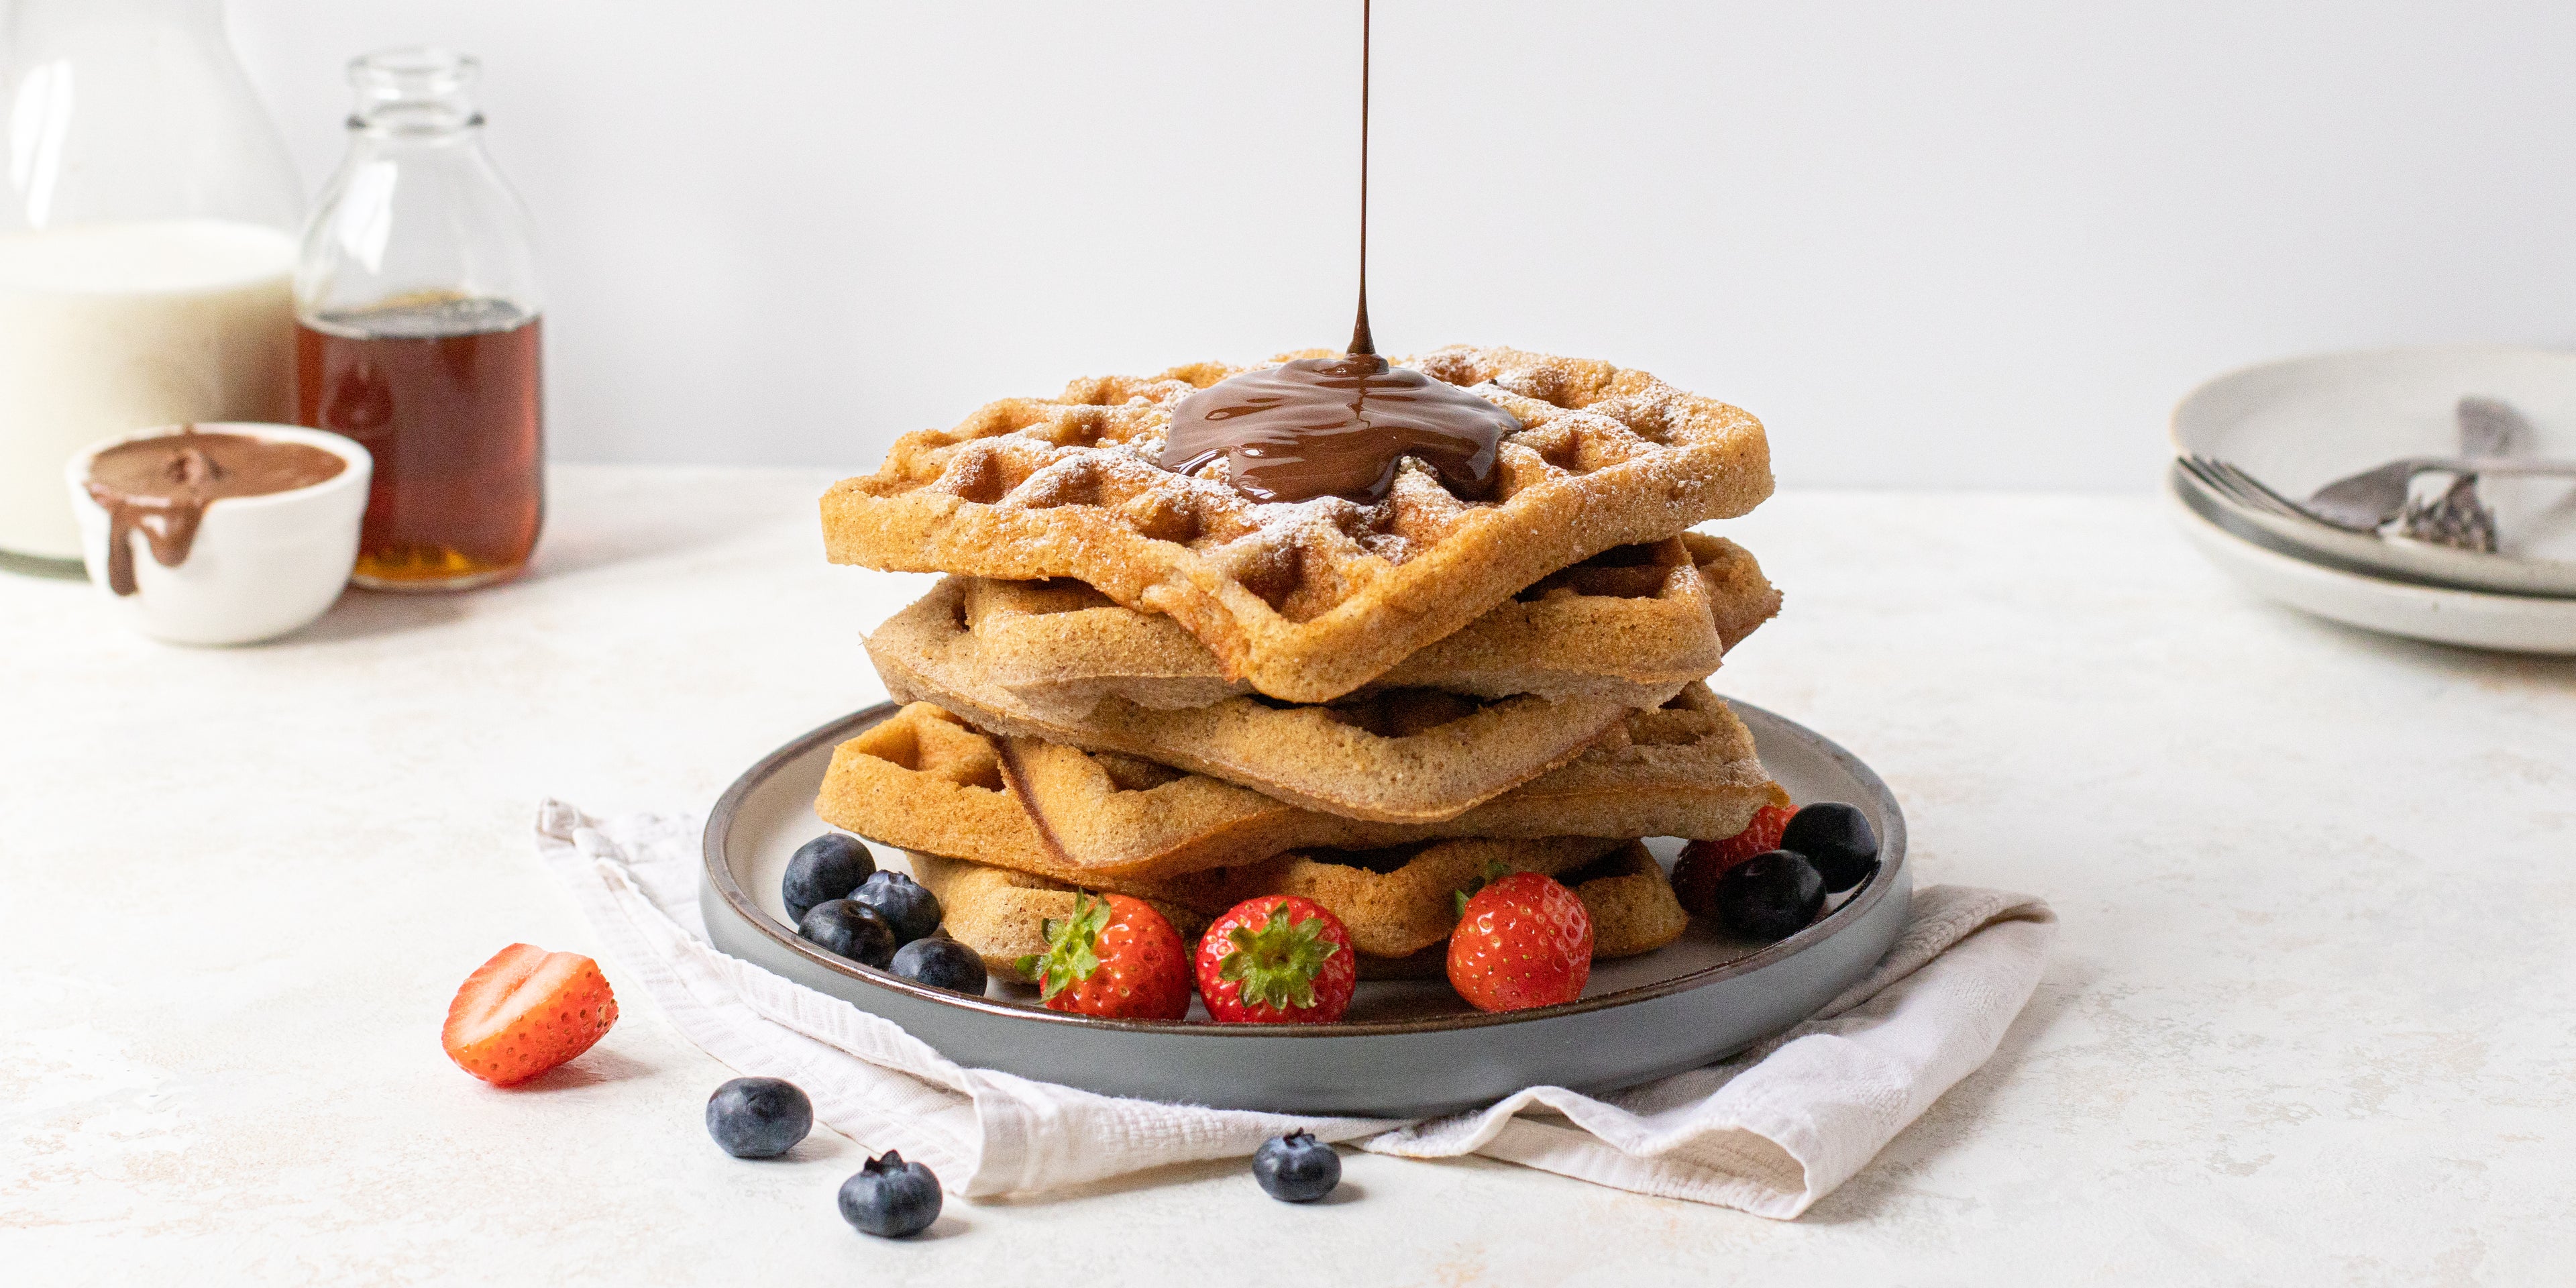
<point x="1277" y="959"/>
<point x="526" y="1011"/>
<point x="1114" y="957"/>
<point x="1523" y="941"/>
<point x="1703" y="862"/>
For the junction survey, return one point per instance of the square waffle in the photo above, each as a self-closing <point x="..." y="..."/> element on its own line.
<point x="1627" y="625"/>
<point x="1399" y="756"/>
<point x="922" y="780"/>
<point x="1306" y="601"/>
<point x="1399" y="906"/>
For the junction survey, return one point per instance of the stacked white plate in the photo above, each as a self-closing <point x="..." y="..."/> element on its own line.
<point x="2301" y="424"/>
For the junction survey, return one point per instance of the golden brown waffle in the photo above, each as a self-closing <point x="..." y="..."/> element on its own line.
<point x="1625" y="625"/>
<point x="1397" y="905"/>
<point x="922" y="780"/>
<point x="920" y="774"/>
<point x="1631" y="901"/>
<point x="1400" y="756"/>
<point x="1308" y="600"/>
<point x="1739" y="596"/>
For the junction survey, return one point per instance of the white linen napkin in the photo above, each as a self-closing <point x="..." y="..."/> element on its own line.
<point x="1769" y="1132"/>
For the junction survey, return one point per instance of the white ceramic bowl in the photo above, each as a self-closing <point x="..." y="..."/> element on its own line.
<point x="261" y="566"/>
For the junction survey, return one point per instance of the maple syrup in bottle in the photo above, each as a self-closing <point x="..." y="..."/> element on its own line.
<point x="447" y="395"/>
<point x="417" y="331"/>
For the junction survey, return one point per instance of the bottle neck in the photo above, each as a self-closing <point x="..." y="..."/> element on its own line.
<point x="413" y="140"/>
<point x="411" y="121"/>
<point x="423" y="94"/>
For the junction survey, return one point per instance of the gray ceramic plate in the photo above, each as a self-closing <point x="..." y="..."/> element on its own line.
<point x="1409" y="1048"/>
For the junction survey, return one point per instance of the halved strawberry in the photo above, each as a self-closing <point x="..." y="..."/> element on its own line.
<point x="526" y="1011"/>
<point x="1703" y="862"/>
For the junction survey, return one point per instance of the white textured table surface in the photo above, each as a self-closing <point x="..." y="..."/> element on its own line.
<point x="2313" y="1017"/>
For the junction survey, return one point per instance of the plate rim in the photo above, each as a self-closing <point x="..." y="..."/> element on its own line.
<point x="717" y="875"/>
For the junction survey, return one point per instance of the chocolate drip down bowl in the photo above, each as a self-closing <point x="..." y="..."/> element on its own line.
<point x="220" y="533"/>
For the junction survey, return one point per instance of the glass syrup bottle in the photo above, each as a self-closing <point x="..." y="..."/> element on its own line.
<point x="417" y="330"/>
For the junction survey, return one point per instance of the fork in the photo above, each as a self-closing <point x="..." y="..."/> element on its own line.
<point x="2459" y="517"/>
<point x="2365" y="502"/>
<point x="2248" y="492"/>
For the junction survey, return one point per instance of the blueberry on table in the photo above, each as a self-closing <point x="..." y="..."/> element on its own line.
<point x="890" y="1198"/>
<point x="759" y="1117"/>
<point x="1837" y="839"/>
<point x="1296" y="1168"/>
<point x="1770" y="896"/>
<point x="851" y="929"/>
<point x="941" y="963"/>
<point x="911" y="910"/>
<point x="826" y="868"/>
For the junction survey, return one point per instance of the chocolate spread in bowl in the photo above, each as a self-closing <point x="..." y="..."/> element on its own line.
<point x="162" y="486"/>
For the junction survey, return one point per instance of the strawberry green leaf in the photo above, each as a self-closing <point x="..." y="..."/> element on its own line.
<point x="1275" y="964"/>
<point x="1072" y="948"/>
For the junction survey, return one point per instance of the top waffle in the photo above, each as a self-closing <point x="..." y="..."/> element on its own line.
<point x="1310" y="600"/>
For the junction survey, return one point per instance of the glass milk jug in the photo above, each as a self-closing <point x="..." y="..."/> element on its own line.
<point x="417" y="332"/>
<point x="146" y="245"/>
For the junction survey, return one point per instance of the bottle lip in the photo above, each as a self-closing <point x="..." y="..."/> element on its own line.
<point x="415" y="89"/>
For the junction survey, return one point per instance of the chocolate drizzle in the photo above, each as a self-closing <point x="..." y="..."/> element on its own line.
<point x="1339" y="426"/>
<point x="1361" y="340"/>
<point x="161" y="487"/>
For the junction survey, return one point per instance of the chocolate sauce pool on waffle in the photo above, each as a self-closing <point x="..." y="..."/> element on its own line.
<point x="161" y="487"/>
<point x="1339" y="426"/>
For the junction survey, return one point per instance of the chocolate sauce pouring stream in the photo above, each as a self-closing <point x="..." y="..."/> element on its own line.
<point x="1343" y="426"/>
<point x="1361" y="340"/>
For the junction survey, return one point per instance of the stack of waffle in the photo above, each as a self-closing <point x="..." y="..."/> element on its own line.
<point x="1138" y="681"/>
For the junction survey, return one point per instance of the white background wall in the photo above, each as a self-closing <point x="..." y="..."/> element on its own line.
<point x="1987" y="242"/>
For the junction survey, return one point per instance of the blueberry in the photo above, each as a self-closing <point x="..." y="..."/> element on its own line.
<point x="759" y="1117"/>
<point x="911" y="910"/>
<point x="851" y="929"/>
<point x="890" y="1198"/>
<point x="941" y="963"/>
<point x="1837" y="839"/>
<point x="1296" y="1168"/>
<point x="826" y="868"/>
<point x="1771" y="895"/>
